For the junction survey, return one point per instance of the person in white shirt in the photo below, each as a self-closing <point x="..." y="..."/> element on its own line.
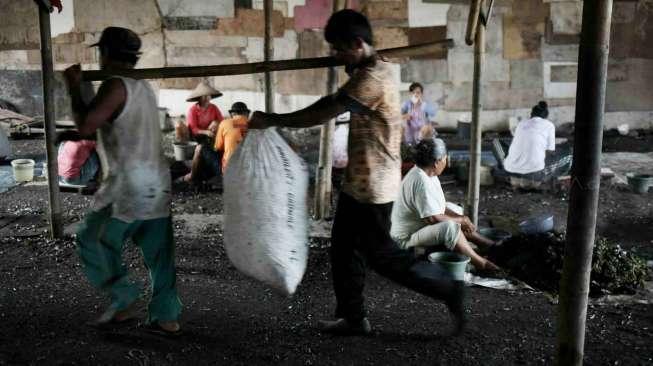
<point x="532" y="152"/>
<point x="420" y="217"/>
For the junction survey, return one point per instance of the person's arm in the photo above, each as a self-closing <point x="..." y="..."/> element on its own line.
<point x="317" y="113"/>
<point x="105" y="107"/>
<point x="465" y="223"/>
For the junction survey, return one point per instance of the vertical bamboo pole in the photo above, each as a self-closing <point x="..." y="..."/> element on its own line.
<point x="267" y="55"/>
<point x="54" y="211"/>
<point x="325" y="164"/>
<point x="474" y="183"/>
<point x="584" y="193"/>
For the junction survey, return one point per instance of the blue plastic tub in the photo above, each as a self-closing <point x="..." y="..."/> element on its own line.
<point x="454" y="263"/>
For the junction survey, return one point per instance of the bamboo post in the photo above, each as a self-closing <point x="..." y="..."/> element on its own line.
<point x="584" y="192"/>
<point x="325" y="164"/>
<point x="476" y="133"/>
<point x="54" y="211"/>
<point x="267" y="55"/>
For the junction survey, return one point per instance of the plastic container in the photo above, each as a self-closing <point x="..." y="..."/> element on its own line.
<point x="184" y="150"/>
<point x="640" y="183"/>
<point x="537" y="225"/>
<point x="454" y="263"/>
<point x="494" y="234"/>
<point x="23" y="170"/>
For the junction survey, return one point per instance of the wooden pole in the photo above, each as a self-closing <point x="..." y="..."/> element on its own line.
<point x="54" y="212"/>
<point x="259" y="67"/>
<point x="476" y="133"/>
<point x="325" y="164"/>
<point x="268" y="55"/>
<point x="584" y="192"/>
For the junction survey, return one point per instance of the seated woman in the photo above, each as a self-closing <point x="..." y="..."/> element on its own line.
<point x="420" y="217"/>
<point x="78" y="162"/>
<point x="532" y="156"/>
<point x="203" y="117"/>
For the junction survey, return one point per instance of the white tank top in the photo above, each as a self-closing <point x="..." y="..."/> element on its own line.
<point x="136" y="175"/>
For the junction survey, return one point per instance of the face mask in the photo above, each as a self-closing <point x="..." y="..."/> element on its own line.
<point x="414" y="99"/>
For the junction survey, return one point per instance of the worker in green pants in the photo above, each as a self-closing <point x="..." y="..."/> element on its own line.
<point x="133" y="200"/>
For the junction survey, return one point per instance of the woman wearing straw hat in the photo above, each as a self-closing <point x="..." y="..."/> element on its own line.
<point x="203" y="116"/>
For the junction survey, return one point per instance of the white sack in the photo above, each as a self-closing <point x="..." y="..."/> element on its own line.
<point x="266" y="216"/>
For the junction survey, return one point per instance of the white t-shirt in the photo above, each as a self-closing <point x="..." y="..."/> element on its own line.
<point x="528" y="148"/>
<point x="420" y="197"/>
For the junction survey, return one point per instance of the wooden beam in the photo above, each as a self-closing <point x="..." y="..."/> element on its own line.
<point x="259" y="67"/>
<point x="268" y="49"/>
<point x="54" y="212"/>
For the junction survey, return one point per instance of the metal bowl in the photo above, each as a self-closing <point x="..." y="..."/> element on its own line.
<point x="494" y="234"/>
<point x="537" y="224"/>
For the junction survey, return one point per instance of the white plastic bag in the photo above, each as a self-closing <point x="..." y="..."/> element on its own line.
<point x="266" y="216"/>
<point x="340" y="137"/>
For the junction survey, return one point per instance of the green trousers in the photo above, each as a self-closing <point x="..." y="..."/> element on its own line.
<point x="100" y="241"/>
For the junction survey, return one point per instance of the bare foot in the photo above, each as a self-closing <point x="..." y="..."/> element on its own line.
<point x="171" y="327"/>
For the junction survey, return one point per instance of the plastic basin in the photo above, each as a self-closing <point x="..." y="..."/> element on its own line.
<point x="184" y="150"/>
<point x="23" y="170"/>
<point x="640" y="183"/>
<point x="494" y="234"/>
<point x="537" y="225"/>
<point x="454" y="263"/>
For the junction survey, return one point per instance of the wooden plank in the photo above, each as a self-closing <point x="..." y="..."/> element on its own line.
<point x="260" y="67"/>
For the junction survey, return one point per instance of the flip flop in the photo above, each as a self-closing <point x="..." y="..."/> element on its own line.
<point x="155" y="328"/>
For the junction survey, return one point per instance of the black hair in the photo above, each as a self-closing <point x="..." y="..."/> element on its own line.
<point x="414" y="86"/>
<point x="424" y="153"/>
<point x="347" y="25"/>
<point x="540" y="110"/>
<point x="239" y="108"/>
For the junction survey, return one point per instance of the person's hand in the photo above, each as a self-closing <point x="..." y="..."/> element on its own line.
<point x="209" y="133"/>
<point x="213" y="127"/>
<point x="259" y="120"/>
<point x="73" y="75"/>
<point x="467" y="226"/>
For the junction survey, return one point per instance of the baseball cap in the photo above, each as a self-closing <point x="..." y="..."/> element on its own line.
<point x="120" y="40"/>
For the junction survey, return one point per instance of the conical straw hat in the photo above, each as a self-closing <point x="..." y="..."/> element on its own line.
<point x="203" y="89"/>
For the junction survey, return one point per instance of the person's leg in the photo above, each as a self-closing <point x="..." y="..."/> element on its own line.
<point x="399" y="265"/>
<point x="155" y="238"/>
<point x="196" y="164"/>
<point x="100" y="240"/>
<point x="89" y="169"/>
<point x="347" y="264"/>
<point x="479" y="239"/>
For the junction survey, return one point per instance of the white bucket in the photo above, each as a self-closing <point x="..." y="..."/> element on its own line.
<point x="23" y="170"/>
<point x="184" y="150"/>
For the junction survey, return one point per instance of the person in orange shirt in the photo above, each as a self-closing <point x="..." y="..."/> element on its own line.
<point x="232" y="131"/>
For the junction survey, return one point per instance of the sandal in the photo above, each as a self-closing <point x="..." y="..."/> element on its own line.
<point x="112" y="318"/>
<point x="155" y="328"/>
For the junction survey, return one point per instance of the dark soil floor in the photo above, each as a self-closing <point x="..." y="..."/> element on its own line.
<point x="231" y="320"/>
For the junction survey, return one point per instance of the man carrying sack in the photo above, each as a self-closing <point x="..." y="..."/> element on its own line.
<point x="134" y="197"/>
<point x="361" y="229"/>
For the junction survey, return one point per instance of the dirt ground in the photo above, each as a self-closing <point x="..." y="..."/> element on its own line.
<point x="232" y="320"/>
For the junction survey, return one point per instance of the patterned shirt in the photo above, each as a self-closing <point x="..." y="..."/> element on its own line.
<point x="373" y="174"/>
